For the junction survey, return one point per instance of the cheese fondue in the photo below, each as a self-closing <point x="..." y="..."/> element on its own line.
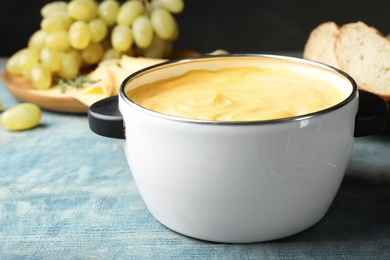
<point x="238" y="94"/>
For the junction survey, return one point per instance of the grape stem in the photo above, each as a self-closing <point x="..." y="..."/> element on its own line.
<point x="148" y="7"/>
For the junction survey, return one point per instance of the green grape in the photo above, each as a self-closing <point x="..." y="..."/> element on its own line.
<point x="173" y="6"/>
<point x="98" y="29"/>
<point x="175" y="34"/>
<point x="129" y="11"/>
<point x="156" y="48"/>
<point x="13" y="64"/>
<point x="37" y="40"/>
<point x="82" y="10"/>
<point x="142" y="31"/>
<point x="26" y="74"/>
<point x="54" y="8"/>
<point x="50" y="59"/>
<point x="40" y="76"/>
<point x="58" y="22"/>
<point x="21" y="117"/>
<point x="69" y="66"/>
<point x="111" y="53"/>
<point x="93" y="53"/>
<point x="79" y="35"/>
<point x="58" y="41"/>
<point x="163" y="23"/>
<point x="108" y="11"/>
<point x="76" y="54"/>
<point x="121" y="38"/>
<point x="28" y="57"/>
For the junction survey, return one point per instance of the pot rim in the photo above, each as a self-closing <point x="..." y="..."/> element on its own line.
<point x="347" y="100"/>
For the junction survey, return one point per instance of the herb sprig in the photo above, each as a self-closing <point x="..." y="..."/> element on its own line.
<point x="77" y="82"/>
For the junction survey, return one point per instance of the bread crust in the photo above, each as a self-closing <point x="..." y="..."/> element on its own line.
<point x="320" y="44"/>
<point x="360" y="50"/>
<point x="364" y="53"/>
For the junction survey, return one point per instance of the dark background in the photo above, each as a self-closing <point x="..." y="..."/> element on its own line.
<point x="237" y="26"/>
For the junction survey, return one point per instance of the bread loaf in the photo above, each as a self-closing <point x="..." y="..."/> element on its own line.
<point x="357" y="49"/>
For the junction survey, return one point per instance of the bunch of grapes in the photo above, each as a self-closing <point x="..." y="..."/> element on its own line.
<point x="76" y="34"/>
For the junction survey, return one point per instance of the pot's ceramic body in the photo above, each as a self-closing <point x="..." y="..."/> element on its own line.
<point x="239" y="182"/>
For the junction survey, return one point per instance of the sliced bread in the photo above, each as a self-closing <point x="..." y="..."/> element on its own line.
<point x="364" y="53"/>
<point x="320" y="44"/>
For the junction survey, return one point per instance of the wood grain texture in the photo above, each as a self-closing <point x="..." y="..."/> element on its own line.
<point x="23" y="90"/>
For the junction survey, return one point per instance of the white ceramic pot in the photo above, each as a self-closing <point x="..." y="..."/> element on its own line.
<point x="239" y="182"/>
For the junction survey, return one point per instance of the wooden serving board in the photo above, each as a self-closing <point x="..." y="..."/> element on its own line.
<point x="23" y="90"/>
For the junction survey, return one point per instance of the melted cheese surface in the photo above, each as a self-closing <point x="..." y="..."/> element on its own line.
<point x="238" y="94"/>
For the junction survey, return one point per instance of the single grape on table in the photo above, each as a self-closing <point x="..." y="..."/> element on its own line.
<point x="21" y="117"/>
<point x="77" y="34"/>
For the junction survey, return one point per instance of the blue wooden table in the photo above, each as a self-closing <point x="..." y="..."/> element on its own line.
<point x="66" y="193"/>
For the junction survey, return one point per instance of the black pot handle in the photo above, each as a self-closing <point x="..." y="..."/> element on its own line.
<point x="106" y="120"/>
<point x="372" y="114"/>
